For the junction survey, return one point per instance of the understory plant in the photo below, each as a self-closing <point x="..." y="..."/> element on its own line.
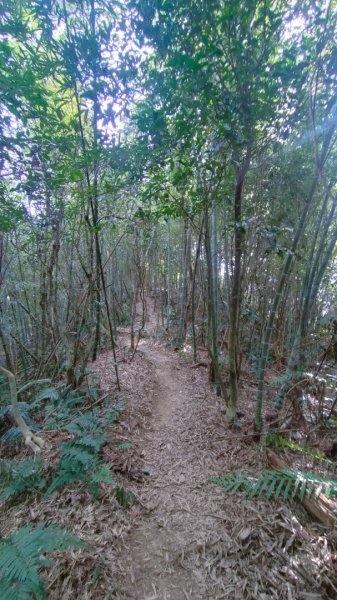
<point x="80" y="457"/>
<point x="288" y="484"/>
<point x="20" y="476"/>
<point x="23" y="554"/>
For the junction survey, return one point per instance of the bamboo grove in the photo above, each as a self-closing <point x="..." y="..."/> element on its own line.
<point x="187" y="149"/>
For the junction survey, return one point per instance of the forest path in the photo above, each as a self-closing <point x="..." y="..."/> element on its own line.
<point x="164" y="554"/>
<point x="185" y="538"/>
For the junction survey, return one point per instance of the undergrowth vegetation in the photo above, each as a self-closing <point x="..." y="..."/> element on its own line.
<point x="287" y="484"/>
<point x="23" y="554"/>
<point x="85" y="426"/>
<point x="80" y="457"/>
<point x="80" y="460"/>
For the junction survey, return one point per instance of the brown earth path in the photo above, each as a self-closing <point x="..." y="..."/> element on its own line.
<point x="187" y="539"/>
<point x="163" y="556"/>
<point x="184" y="538"/>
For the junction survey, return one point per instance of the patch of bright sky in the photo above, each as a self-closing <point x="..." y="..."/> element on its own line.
<point x="294" y="28"/>
<point x="111" y="129"/>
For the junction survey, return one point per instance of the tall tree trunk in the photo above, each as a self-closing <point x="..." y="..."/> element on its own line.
<point x="234" y="333"/>
<point x="169" y="276"/>
<point x="287" y="268"/>
<point x="184" y="287"/>
<point x="214" y="369"/>
<point x="316" y="268"/>
<point x="193" y="290"/>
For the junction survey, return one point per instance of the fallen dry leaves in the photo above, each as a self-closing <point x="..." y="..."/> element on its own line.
<point x="183" y="538"/>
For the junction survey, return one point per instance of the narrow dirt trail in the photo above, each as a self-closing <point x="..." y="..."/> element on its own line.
<point x="163" y="554"/>
<point x="187" y="539"/>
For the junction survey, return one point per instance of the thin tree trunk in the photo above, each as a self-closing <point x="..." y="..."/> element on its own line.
<point x="215" y="375"/>
<point x="286" y="272"/>
<point x="310" y="290"/>
<point x="183" y="291"/>
<point x="234" y="335"/>
<point x="193" y="290"/>
<point x="169" y="276"/>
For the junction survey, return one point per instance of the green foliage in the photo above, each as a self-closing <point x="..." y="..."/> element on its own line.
<point x="289" y="484"/>
<point x="19" y="477"/>
<point x="80" y="458"/>
<point x="283" y="378"/>
<point x="99" y="569"/>
<point x="21" y="557"/>
<point x="63" y="408"/>
<point x="4" y="391"/>
<point x="66" y="403"/>
<point x="103" y="475"/>
<point x="51" y="393"/>
<point x="13" y="434"/>
<point x="124" y="497"/>
<point x="125" y="446"/>
<point x="332" y="422"/>
<point x="11" y="211"/>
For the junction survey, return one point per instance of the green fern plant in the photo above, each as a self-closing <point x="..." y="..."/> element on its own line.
<point x="22" y="555"/>
<point x="76" y="464"/>
<point x="13" y="434"/>
<point x="53" y="394"/>
<point x="103" y="475"/>
<point x="18" y="477"/>
<point x="125" y="498"/>
<point x="4" y="391"/>
<point x="288" y="484"/>
<point x="80" y="458"/>
<point x="63" y="408"/>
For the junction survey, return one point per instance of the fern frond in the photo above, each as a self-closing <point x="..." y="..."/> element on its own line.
<point x="77" y="463"/>
<point x="80" y="458"/>
<point x="125" y="446"/>
<point x="24" y="408"/>
<point x="233" y="482"/>
<point x="18" y="477"/>
<point x="124" y="497"/>
<point x="77" y="454"/>
<point x="65" y="477"/>
<point x="112" y="413"/>
<point x="21" y="556"/>
<point x="11" y="436"/>
<point x="101" y="476"/>
<point x="51" y="393"/>
<point x="84" y="424"/>
<point x="289" y="483"/>
<point x="94" y="441"/>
